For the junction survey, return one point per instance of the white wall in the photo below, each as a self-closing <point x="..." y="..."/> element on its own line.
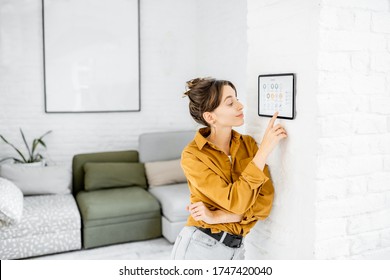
<point x="222" y="25"/>
<point x="353" y="179"/>
<point x="282" y="38"/>
<point x="332" y="174"/>
<point x="173" y="51"/>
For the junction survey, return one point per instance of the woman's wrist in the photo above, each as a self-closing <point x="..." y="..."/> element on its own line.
<point x="260" y="159"/>
<point x="221" y="217"/>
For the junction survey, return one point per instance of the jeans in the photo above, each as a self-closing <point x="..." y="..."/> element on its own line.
<point x="193" y="244"/>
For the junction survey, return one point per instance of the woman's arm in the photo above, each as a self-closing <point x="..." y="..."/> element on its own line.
<point x="262" y="207"/>
<point x="236" y="197"/>
<point x="233" y="197"/>
<point x="200" y="212"/>
<point x="259" y="211"/>
<point x="273" y="134"/>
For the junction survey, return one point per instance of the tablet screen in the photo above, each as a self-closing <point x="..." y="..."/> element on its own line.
<point x="276" y="93"/>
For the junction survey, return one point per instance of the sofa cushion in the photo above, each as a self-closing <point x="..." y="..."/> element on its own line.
<point x="43" y="214"/>
<point x="113" y="174"/>
<point x="116" y="205"/>
<point x="80" y="159"/>
<point x="35" y="180"/>
<point x="50" y="224"/>
<point x="173" y="200"/>
<point x="11" y="202"/>
<point x="164" y="172"/>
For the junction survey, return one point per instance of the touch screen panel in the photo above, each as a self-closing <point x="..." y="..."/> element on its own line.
<point x="276" y="93"/>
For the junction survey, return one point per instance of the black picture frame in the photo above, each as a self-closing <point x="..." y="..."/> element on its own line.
<point x="111" y="88"/>
<point x="276" y="92"/>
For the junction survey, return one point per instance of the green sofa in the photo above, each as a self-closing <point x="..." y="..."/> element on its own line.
<point x="111" y="193"/>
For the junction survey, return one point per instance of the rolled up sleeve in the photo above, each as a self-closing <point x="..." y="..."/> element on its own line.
<point x="254" y="176"/>
<point x="263" y="205"/>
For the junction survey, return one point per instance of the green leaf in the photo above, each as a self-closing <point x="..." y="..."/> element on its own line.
<point x="42" y="143"/>
<point x="4" y="159"/>
<point x="39" y="141"/>
<point x="46" y="133"/>
<point x="25" y="142"/>
<point x="24" y="159"/>
<point x="32" y="156"/>
<point x="34" y="145"/>
<point x="38" y="157"/>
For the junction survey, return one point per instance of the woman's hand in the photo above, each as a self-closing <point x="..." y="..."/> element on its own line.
<point x="200" y="212"/>
<point x="273" y="134"/>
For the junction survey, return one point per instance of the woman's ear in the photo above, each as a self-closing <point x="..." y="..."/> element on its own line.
<point x="209" y="117"/>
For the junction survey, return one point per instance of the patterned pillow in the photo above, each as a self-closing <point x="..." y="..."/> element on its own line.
<point x="11" y="202"/>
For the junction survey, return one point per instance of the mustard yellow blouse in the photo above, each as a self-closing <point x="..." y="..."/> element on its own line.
<point x="237" y="186"/>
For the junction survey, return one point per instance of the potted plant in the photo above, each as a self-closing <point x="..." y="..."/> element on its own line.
<point x="33" y="154"/>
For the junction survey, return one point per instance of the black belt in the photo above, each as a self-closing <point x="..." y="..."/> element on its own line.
<point x="230" y="240"/>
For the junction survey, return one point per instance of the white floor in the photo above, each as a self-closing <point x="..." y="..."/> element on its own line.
<point x="155" y="249"/>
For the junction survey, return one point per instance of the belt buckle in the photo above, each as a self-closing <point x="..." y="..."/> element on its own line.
<point x="232" y="241"/>
<point x="239" y="240"/>
<point x="224" y="237"/>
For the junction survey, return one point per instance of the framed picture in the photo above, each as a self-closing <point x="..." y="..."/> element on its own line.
<point x="276" y="93"/>
<point x="91" y="55"/>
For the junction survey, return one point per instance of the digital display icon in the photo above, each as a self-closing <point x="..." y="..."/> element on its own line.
<point x="276" y="93"/>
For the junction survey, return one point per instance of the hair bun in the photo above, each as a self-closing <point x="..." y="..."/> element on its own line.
<point x="198" y="83"/>
<point x="205" y="95"/>
<point x="192" y="83"/>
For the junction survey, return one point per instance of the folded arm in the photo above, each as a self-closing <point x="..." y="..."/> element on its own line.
<point x="200" y="212"/>
<point x="207" y="183"/>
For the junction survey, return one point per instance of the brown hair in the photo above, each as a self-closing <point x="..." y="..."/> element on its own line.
<point x="205" y="95"/>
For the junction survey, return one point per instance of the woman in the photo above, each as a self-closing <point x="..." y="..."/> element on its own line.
<point x="226" y="172"/>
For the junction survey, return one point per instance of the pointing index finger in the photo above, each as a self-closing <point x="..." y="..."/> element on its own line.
<point x="272" y="121"/>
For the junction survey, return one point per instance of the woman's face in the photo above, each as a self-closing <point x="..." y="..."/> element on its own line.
<point x="229" y="112"/>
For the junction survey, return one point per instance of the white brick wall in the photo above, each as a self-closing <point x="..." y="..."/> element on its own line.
<point x="349" y="135"/>
<point x="283" y="37"/>
<point x="169" y="57"/>
<point x="353" y="184"/>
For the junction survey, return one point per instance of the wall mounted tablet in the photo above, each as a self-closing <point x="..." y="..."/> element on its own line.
<point x="276" y="92"/>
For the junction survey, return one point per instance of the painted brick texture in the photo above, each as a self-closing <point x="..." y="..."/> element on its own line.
<point x="349" y="135"/>
<point x="353" y="186"/>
